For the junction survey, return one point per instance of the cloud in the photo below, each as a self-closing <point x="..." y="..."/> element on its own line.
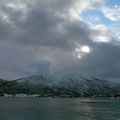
<point x="100" y="33"/>
<point x="103" y="61"/>
<point x="112" y="13"/>
<point x="46" y="33"/>
<point x="42" y="25"/>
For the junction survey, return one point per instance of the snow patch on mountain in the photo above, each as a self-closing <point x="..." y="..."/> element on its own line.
<point x="8" y="73"/>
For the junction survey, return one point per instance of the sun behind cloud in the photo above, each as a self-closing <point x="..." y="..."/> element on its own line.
<point x="85" y="49"/>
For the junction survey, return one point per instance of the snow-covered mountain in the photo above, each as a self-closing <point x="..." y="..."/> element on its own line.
<point x="74" y="83"/>
<point x="69" y="85"/>
<point x="8" y="73"/>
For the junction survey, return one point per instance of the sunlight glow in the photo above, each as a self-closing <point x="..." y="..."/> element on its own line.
<point x="85" y="49"/>
<point x="80" y="51"/>
<point x="79" y="56"/>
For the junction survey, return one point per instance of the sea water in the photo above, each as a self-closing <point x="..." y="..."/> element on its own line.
<point x="59" y="109"/>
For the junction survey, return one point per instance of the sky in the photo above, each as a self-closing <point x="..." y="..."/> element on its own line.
<point x="49" y="36"/>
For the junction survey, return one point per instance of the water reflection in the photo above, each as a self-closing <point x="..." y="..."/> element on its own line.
<point x="56" y="109"/>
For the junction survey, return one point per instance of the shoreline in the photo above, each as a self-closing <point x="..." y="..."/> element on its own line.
<point x="52" y="96"/>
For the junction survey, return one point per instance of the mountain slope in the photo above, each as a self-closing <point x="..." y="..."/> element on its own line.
<point x="8" y="73"/>
<point x="48" y="85"/>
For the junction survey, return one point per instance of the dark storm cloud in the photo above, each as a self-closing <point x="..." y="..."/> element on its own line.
<point x="6" y="31"/>
<point x="45" y="31"/>
<point x="41" y="26"/>
<point x="104" y="61"/>
<point x="42" y="29"/>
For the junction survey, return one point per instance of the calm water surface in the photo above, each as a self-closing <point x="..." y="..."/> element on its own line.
<point x="58" y="109"/>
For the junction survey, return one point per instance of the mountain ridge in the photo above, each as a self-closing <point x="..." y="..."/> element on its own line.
<point x="48" y="85"/>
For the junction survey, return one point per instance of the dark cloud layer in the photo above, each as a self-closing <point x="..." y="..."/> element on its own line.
<point x="104" y="61"/>
<point x="44" y="33"/>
